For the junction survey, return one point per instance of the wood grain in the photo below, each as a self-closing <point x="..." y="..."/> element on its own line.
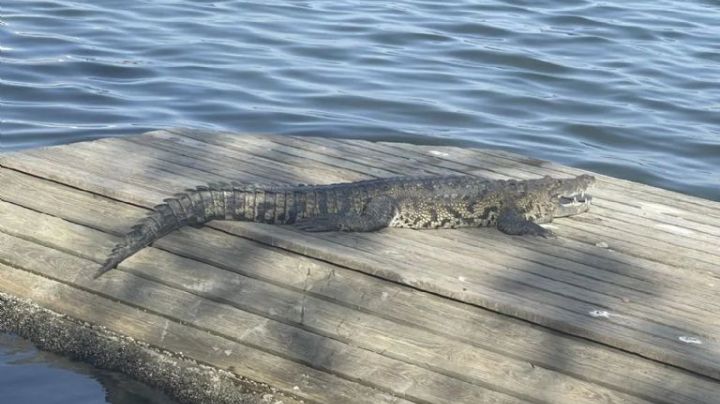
<point x="426" y="316"/>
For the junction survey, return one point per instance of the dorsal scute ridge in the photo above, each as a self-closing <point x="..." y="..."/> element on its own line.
<point x="219" y="186"/>
<point x="151" y="218"/>
<point x="252" y="187"/>
<point x="418" y="202"/>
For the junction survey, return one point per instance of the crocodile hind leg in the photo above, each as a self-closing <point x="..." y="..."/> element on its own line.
<point x="377" y="214"/>
<point x="510" y="221"/>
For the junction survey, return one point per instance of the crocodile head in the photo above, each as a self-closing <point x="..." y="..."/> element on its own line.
<point x="548" y="197"/>
<point x="569" y="195"/>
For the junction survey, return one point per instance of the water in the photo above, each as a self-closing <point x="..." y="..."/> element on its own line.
<point x="625" y="88"/>
<point x="29" y="376"/>
<point x="629" y="89"/>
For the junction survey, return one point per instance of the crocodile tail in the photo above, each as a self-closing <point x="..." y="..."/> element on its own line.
<point x="193" y="207"/>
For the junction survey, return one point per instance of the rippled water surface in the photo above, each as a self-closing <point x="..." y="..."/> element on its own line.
<point x="29" y="376"/>
<point x="630" y="88"/>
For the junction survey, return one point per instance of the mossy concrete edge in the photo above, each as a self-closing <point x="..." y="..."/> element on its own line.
<point x="182" y="378"/>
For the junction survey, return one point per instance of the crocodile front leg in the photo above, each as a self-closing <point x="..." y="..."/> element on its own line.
<point x="510" y="221"/>
<point x="377" y="214"/>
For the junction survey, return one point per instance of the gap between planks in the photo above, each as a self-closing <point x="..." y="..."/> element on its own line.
<point x="91" y="243"/>
<point x="174" y="336"/>
<point x="186" y="277"/>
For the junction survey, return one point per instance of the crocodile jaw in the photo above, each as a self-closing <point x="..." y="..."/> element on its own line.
<point x="572" y="205"/>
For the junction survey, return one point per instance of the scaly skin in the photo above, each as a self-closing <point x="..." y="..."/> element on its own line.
<point x="514" y="207"/>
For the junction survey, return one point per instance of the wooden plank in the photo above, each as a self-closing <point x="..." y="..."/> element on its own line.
<point x="634" y="295"/>
<point x="288" y="376"/>
<point x="478" y="158"/>
<point x="77" y="206"/>
<point x="703" y="243"/>
<point x="668" y="225"/>
<point x="212" y="154"/>
<point x="510" y="306"/>
<point x="182" y="378"/>
<point x="225" y="253"/>
<point x="485" y="163"/>
<point x="661" y="283"/>
<point x="666" y="349"/>
<point x="316" y="155"/>
<point x="348" y="153"/>
<point x="393" y="275"/>
<point x="356" y="151"/>
<point x="217" y="315"/>
<point x="657" y="220"/>
<point x="452" y="320"/>
<point x="258" y="149"/>
<point x="55" y="168"/>
<point x="666" y="232"/>
<point x="396" y="341"/>
<point x="688" y="201"/>
<point x="454" y="282"/>
<point x="643" y="247"/>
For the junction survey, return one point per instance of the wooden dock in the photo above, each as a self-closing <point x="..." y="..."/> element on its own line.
<point x="623" y="307"/>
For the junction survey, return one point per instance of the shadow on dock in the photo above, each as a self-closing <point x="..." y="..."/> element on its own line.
<point x="438" y="316"/>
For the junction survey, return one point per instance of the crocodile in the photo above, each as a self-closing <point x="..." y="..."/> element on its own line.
<point x="515" y="207"/>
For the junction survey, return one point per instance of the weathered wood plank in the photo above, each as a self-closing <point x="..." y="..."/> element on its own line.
<point x="157" y="330"/>
<point x="703" y="243"/>
<point x="177" y="375"/>
<point x="386" y="160"/>
<point x="61" y="170"/>
<point x="77" y="206"/>
<point x="316" y="155"/>
<point x="219" y="312"/>
<point x="420" y="310"/>
<point x="595" y="256"/>
<point x="387" y="300"/>
<point x="397" y="341"/>
<point x="394" y="340"/>
<point x="463" y="288"/>
<point x="487" y="163"/>
<point x="258" y="153"/>
<point x="687" y="201"/>
<point x="477" y="158"/>
<point x="354" y="151"/>
<point x="512" y="307"/>
<point x="656" y="307"/>
<point x="347" y="153"/>
<point x="212" y="156"/>
<point x="706" y="257"/>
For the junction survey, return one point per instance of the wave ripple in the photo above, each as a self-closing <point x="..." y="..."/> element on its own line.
<point x="626" y="89"/>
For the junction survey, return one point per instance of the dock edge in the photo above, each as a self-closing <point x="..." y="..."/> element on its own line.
<point x="183" y="379"/>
